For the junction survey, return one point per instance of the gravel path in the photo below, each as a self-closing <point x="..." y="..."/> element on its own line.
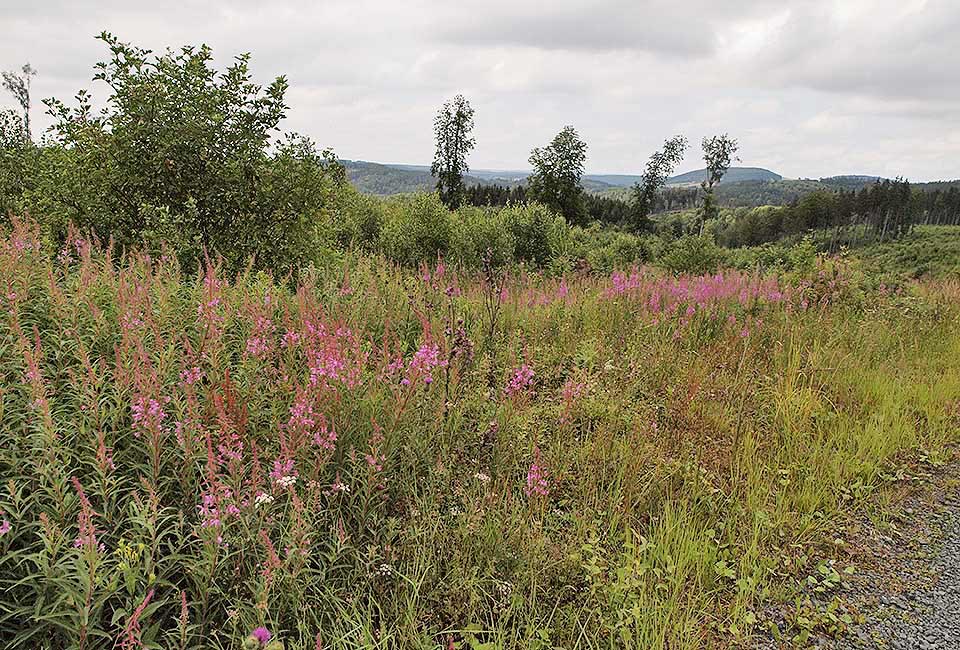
<point x="905" y="593"/>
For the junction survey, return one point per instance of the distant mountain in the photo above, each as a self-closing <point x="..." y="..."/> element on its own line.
<point x="374" y="178"/>
<point x="500" y="176"/>
<point x="851" y="178"/>
<point x="381" y="179"/>
<point x="384" y="179"/>
<point x="511" y="177"/>
<point x="613" y="180"/>
<point x="733" y="175"/>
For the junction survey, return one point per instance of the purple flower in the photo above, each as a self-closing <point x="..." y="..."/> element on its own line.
<point x="262" y="635"/>
<point x="537" y="476"/>
<point x="521" y="380"/>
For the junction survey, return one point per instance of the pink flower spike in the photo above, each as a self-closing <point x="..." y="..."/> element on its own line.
<point x="521" y="380"/>
<point x="537" y="477"/>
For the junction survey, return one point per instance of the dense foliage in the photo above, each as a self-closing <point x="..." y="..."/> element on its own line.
<point x="884" y="210"/>
<point x="384" y="459"/>
<point x="557" y="169"/>
<point x="180" y="154"/>
<point x="654" y="177"/>
<point x="452" y="127"/>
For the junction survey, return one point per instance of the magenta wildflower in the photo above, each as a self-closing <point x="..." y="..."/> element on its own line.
<point x="325" y="436"/>
<point x="291" y="339"/>
<point x="521" y="380"/>
<point x="148" y="414"/>
<point x="283" y="473"/>
<point x="333" y="355"/>
<point x="260" y="342"/>
<point x="537" y="476"/>
<point x="190" y="376"/>
<point x="302" y="417"/>
<point x="131" y="633"/>
<point x="262" y="635"/>
<point x="376" y="458"/>
<point x="211" y="309"/>
<point x="87" y="539"/>
<point x="573" y="389"/>
<point x="424" y="361"/>
<point x="4" y="525"/>
<point x="209" y="511"/>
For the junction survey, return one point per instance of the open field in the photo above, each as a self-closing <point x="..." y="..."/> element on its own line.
<point x="378" y="458"/>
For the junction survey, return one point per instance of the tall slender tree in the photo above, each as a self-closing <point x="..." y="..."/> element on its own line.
<point x="452" y="126"/>
<point x="557" y="169"/>
<point x="719" y="152"/>
<point x="659" y="167"/>
<point x="19" y="86"/>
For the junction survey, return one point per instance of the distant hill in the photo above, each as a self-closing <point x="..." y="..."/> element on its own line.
<point x="613" y="180"/>
<point x="381" y="179"/>
<point x="741" y="186"/>
<point x="851" y="178"/>
<point x="374" y="178"/>
<point x="733" y="175"/>
<point x="507" y="177"/>
<point x="753" y="193"/>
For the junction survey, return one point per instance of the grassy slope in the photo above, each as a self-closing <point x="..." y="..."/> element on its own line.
<point x="701" y="458"/>
<point x="930" y="250"/>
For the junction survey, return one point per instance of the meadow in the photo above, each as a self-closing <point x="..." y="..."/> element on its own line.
<point x="373" y="456"/>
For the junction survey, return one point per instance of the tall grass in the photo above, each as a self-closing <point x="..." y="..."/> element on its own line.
<point x="377" y="458"/>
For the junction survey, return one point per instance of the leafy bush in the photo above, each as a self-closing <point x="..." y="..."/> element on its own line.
<point x="357" y="220"/>
<point x="179" y="156"/>
<point x="535" y="230"/>
<point x="479" y="232"/>
<point x="690" y="254"/>
<point x="416" y="228"/>
<point x="17" y="158"/>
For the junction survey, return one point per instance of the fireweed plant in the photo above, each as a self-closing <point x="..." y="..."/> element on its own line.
<point x="379" y="458"/>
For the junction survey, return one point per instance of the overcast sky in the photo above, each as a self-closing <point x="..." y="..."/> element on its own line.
<point x="810" y="87"/>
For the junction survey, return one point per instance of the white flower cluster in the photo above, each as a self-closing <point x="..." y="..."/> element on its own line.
<point x="262" y="499"/>
<point x="483" y="478"/>
<point x="287" y="481"/>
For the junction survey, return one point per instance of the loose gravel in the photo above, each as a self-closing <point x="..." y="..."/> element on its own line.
<point x="906" y="591"/>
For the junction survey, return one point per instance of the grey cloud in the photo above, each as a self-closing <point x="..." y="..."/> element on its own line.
<point x="897" y="50"/>
<point x="677" y="29"/>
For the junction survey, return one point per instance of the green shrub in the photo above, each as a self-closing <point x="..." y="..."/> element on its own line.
<point x="180" y="154"/>
<point x="357" y="220"/>
<point x="417" y="228"/>
<point x="535" y="231"/>
<point x="478" y="231"/>
<point x="694" y="255"/>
